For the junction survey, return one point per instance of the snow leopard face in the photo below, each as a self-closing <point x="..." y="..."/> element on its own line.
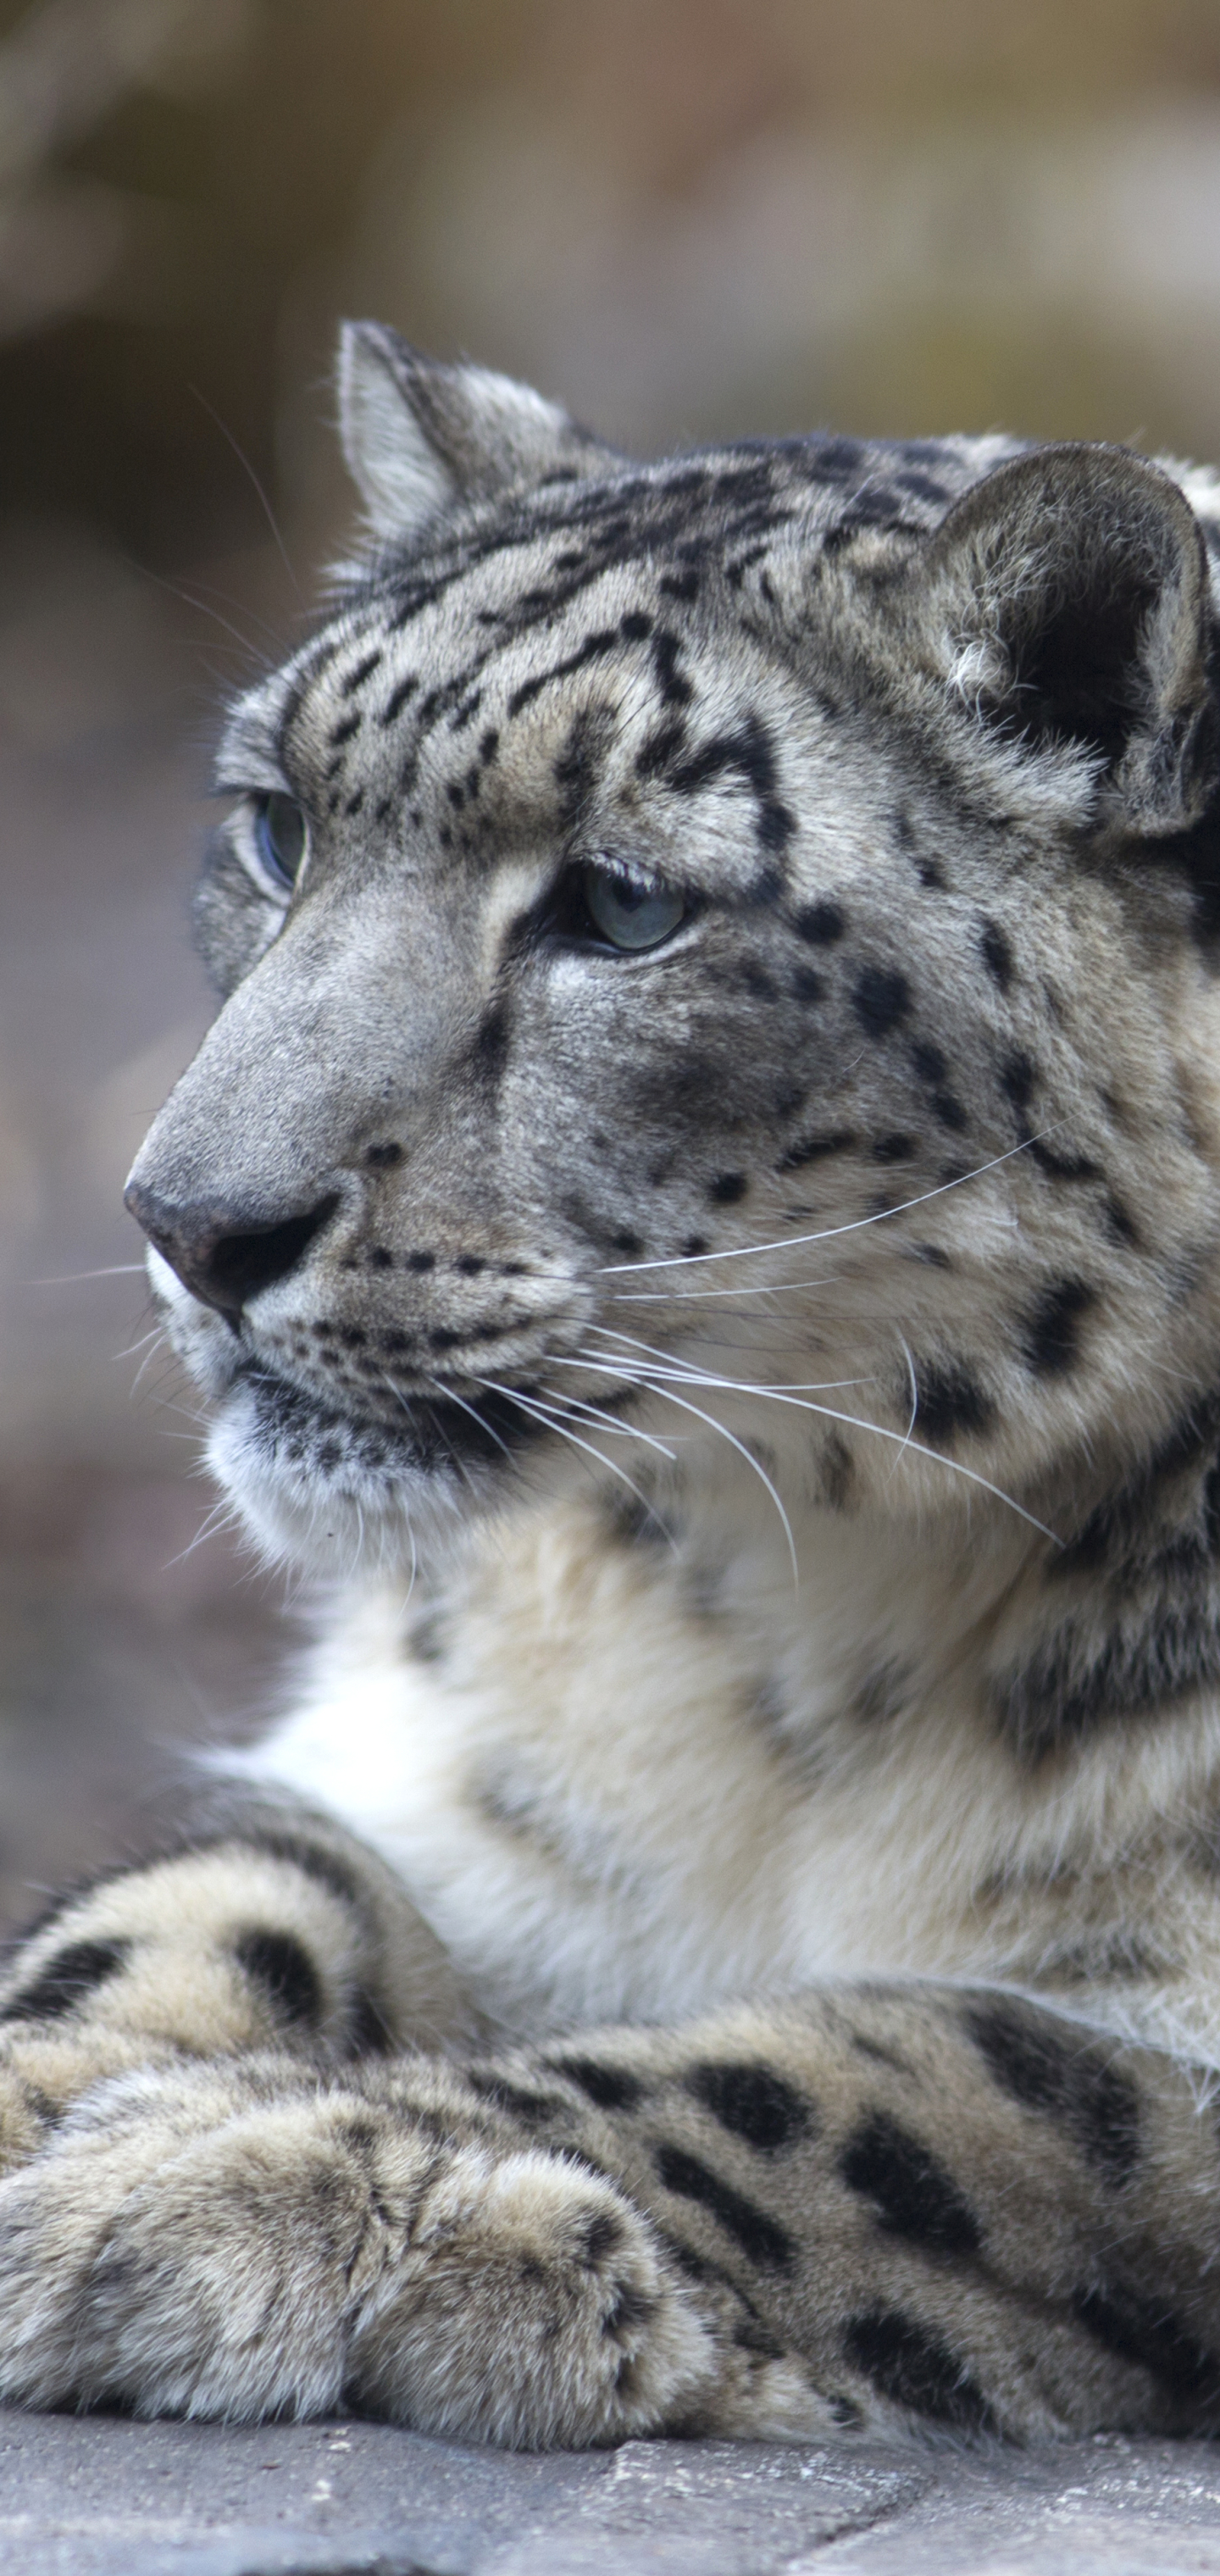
<point x="745" y="922"/>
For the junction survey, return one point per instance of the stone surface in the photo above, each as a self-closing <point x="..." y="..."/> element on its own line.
<point x="99" y="2496"/>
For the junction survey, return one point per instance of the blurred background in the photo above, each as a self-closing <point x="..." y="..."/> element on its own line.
<point x="687" y="219"/>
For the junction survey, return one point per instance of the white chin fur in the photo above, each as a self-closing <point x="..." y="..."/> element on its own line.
<point x="329" y="1527"/>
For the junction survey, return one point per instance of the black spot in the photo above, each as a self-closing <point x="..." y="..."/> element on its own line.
<point x="928" y="1061"/>
<point x="759" y="2236"/>
<point x="1119" y="1225"/>
<point x="750" y="2336"/>
<point x="821" y="923"/>
<point x="356" y="677"/>
<point x="694" y="1246"/>
<point x="997" y="953"/>
<point x="603" y="2235"/>
<point x="1062" y="1166"/>
<point x="660" y="748"/>
<point x="882" y="998"/>
<point x="282" y="1966"/>
<point x="428" y="1637"/>
<point x="489" y="744"/>
<point x="1017" y="1079"/>
<point x="949" y="1111"/>
<point x="631" y="1519"/>
<point x="382" y="1158"/>
<point x="893" y="1149"/>
<point x="806" y="986"/>
<point x="312" y="1859"/>
<point x="594" y="648"/>
<point x="915" y="2198"/>
<point x="753" y="2101"/>
<point x="515" y="2098"/>
<point x="727" y="1188"/>
<point x="880" y="2054"/>
<point x="1050" y="1330"/>
<point x="398" y="697"/>
<point x="636" y="626"/>
<point x="470" y="1264"/>
<point x="836" y="1473"/>
<point x="380" y="1257"/>
<point x="910" y="2365"/>
<point x="489" y="1051"/>
<point x="925" y="487"/>
<point x="75" y="1972"/>
<point x="610" y="2087"/>
<point x="368" y="2032"/>
<point x="948" y="1400"/>
<point x="1064" y="2079"/>
<point x="675" y="689"/>
<point x="1143" y="2331"/>
<point x="341" y="733"/>
<point x="836" y="459"/>
<point x="627" y="1242"/>
<point x="421" y="1261"/>
<point x="751" y="752"/>
<point x="813" y="1149"/>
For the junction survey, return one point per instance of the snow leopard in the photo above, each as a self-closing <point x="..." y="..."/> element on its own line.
<point x="697" y="1219"/>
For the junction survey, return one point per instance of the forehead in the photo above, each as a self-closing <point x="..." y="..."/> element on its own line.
<point x="498" y="587"/>
<point x="627" y="636"/>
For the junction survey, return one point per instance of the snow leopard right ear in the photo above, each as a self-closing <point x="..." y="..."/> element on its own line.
<point x="421" y="437"/>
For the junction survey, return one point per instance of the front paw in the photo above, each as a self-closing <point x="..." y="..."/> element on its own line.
<point x="231" y="2242"/>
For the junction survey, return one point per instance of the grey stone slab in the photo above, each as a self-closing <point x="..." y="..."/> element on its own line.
<point x="100" y="2496"/>
<point x="1103" y="2508"/>
<point x="105" y="2497"/>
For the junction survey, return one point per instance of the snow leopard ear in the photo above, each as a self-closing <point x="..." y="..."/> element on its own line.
<point x="1067" y="599"/>
<point x="421" y="437"/>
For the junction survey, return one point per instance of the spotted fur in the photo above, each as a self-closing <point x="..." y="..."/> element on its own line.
<point x="728" y="1939"/>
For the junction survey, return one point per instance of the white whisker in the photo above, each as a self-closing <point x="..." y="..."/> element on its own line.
<point x="669" y="1397"/>
<point x="548" y="1414"/>
<point x="794" y="1386"/>
<point x="826" y="1233"/>
<point x="448" y="1395"/>
<point x="117" y="1270"/>
<point x="596" y="1413"/>
<point x="223" y="1515"/>
<point x="666" y="1296"/>
<point x="651" y="1376"/>
<point x="142" y="1344"/>
<point x="914" y="1385"/>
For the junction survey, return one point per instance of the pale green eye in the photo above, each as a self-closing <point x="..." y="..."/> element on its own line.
<point x="279" y="837"/>
<point x="631" y="911"/>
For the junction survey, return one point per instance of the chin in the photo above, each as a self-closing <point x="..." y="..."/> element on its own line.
<point x="336" y="1498"/>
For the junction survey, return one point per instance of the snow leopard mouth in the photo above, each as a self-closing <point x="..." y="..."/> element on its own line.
<point x="427" y="1434"/>
<point x="328" y="1489"/>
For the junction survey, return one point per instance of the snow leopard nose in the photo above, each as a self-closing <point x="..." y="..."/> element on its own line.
<point x="226" y="1255"/>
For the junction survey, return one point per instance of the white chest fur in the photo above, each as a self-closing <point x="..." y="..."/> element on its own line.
<point x="622" y="1781"/>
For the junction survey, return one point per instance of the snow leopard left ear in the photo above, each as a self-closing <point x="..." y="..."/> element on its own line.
<point x="421" y="437"/>
<point x="1066" y="598"/>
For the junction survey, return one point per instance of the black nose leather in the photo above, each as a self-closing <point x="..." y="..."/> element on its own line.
<point x="226" y="1255"/>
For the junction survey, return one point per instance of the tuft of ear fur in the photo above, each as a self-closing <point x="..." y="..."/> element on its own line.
<point x="420" y="437"/>
<point x="1066" y="598"/>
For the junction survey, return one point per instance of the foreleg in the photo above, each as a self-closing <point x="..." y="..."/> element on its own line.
<point x="894" y="2207"/>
